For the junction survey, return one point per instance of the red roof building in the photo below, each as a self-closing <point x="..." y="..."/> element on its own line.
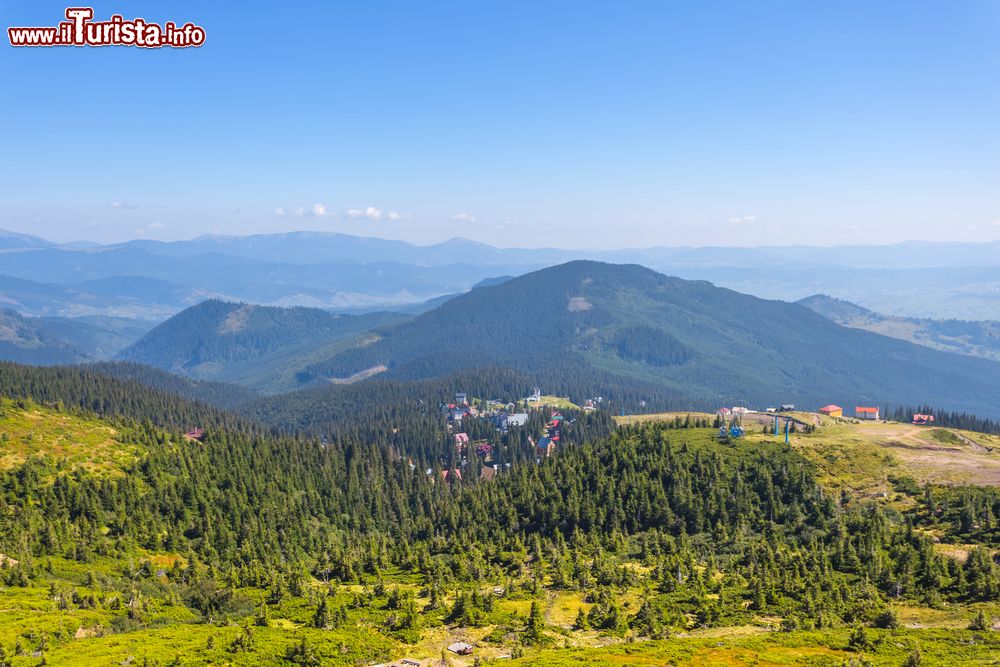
<point x="866" y="413"/>
<point x="832" y="411"/>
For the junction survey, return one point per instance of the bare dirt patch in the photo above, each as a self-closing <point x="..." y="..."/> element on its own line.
<point x="578" y="304"/>
<point x="922" y="453"/>
<point x="360" y="375"/>
<point x="236" y="321"/>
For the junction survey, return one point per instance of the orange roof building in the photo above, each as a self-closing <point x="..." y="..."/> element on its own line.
<point x="866" y="413"/>
<point x="832" y="411"/>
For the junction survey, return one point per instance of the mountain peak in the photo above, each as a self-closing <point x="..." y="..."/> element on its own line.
<point x="627" y="331"/>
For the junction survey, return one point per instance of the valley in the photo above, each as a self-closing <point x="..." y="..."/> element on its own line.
<point x="476" y="334"/>
<point x="473" y="483"/>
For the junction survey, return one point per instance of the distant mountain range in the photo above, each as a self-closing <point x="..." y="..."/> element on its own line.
<point x="581" y="327"/>
<point x="153" y="279"/>
<point x="977" y="338"/>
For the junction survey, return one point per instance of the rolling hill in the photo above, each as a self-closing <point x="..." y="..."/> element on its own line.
<point x="629" y="325"/>
<point x="259" y="346"/>
<point x="29" y="341"/>
<point x="47" y="341"/>
<point x="975" y="338"/>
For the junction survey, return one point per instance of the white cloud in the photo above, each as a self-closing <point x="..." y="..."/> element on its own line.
<point x="995" y="223"/>
<point x="142" y="231"/>
<point x="371" y="213"/>
<point x="744" y="220"/>
<point x="463" y="217"/>
<point x="322" y="211"/>
<point x="317" y="210"/>
<point x="122" y="205"/>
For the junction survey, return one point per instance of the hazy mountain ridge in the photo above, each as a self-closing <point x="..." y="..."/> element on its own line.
<point x="48" y="341"/>
<point x="27" y="341"/>
<point x="352" y="273"/>
<point x="131" y="280"/>
<point x="975" y="338"/>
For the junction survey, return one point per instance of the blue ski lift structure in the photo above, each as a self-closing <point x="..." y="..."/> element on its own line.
<point x="733" y="431"/>
<point x="788" y="424"/>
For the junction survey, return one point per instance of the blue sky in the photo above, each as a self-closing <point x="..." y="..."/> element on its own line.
<point x="574" y="124"/>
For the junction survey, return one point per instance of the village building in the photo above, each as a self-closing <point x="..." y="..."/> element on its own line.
<point x="197" y="434"/>
<point x="923" y="420"/>
<point x="832" y="411"/>
<point x="871" y="414"/>
<point x="461" y="648"/>
<point x="517" y="419"/>
<point x="545" y="448"/>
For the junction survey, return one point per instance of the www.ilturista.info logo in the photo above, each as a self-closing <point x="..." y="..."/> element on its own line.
<point x="81" y="30"/>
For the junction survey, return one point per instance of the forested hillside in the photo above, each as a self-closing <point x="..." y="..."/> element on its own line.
<point x="29" y="341"/>
<point x="127" y="390"/>
<point x="631" y="326"/>
<point x="49" y="341"/>
<point x="249" y="547"/>
<point x="258" y="346"/>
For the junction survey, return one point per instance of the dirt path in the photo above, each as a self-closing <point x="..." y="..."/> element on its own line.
<point x="962" y="461"/>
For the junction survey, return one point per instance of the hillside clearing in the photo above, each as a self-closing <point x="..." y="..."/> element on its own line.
<point x="69" y="440"/>
<point x="864" y="456"/>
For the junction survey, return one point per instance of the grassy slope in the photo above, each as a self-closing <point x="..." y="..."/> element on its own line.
<point x="83" y="637"/>
<point x="70" y="441"/>
<point x="862" y="457"/>
<point x="937" y="647"/>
